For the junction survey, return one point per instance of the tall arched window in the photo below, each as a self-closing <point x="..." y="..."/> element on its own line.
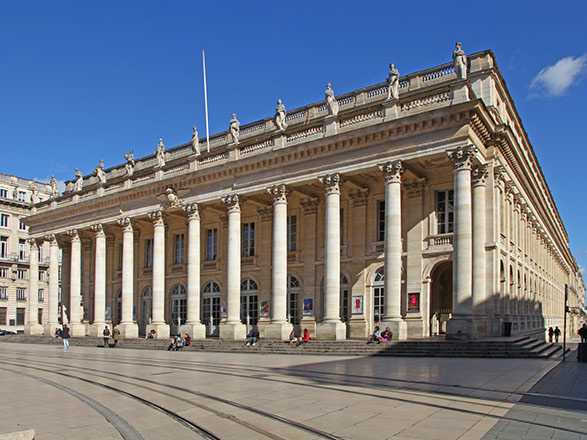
<point x="147" y="305"/>
<point x="211" y="307"/>
<point x="378" y="295"/>
<point x="293" y="298"/>
<point x="118" y="307"/>
<point x="249" y="302"/>
<point x="177" y="306"/>
<point x="344" y="310"/>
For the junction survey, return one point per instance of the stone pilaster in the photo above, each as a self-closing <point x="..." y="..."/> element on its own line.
<point x="193" y="326"/>
<point x="33" y="327"/>
<point x="128" y="328"/>
<point x="461" y="324"/>
<point x="279" y="327"/>
<point x="479" y="177"/>
<point x="392" y="172"/>
<point x="158" y="324"/>
<point x="99" y="282"/>
<point x="75" y="325"/>
<point x="232" y="328"/>
<point x="331" y="327"/>
<point x="53" y="299"/>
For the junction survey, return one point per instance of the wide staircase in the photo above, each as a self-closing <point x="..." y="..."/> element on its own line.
<point x="515" y="347"/>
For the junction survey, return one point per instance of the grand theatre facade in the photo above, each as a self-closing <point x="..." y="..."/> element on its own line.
<point x="422" y="209"/>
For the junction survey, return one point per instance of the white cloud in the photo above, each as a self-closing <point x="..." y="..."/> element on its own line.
<point x="556" y="79"/>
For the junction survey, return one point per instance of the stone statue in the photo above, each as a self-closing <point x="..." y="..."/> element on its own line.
<point x="160" y="154"/>
<point x="393" y="82"/>
<point x="460" y="62"/>
<point x="34" y="195"/>
<point x="195" y="141"/>
<point x="234" y="128"/>
<point x="54" y="189"/>
<point x="331" y="101"/>
<point x="79" y="180"/>
<point x="280" y="114"/>
<point x="129" y="166"/>
<point x="99" y="171"/>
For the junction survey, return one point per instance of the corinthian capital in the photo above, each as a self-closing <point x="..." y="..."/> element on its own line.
<point x="462" y="157"/>
<point x="157" y="218"/>
<point x="392" y="171"/>
<point x="479" y="174"/>
<point x="73" y="234"/>
<point x="279" y="193"/>
<point x="193" y="211"/>
<point x="331" y="182"/>
<point x="98" y="229"/>
<point x="52" y="239"/>
<point x="232" y="203"/>
<point x="33" y="243"/>
<point x="126" y="224"/>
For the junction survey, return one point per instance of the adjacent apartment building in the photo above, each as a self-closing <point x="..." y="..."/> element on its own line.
<point x="416" y="204"/>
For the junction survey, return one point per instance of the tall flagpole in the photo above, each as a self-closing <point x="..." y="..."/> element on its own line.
<point x="206" y="101"/>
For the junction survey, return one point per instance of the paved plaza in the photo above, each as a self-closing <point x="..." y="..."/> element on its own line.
<point x="96" y="393"/>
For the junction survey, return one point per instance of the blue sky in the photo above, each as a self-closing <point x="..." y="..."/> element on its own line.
<point x="85" y="80"/>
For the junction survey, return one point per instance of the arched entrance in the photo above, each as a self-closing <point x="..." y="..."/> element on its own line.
<point x="211" y="308"/>
<point x="146" y="307"/>
<point x="440" y="297"/>
<point x="378" y="297"/>
<point x="293" y="298"/>
<point x="177" y="308"/>
<point x="249" y="304"/>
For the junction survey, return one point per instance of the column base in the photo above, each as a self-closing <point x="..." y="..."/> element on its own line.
<point x="128" y="330"/>
<point x="96" y="329"/>
<point x="161" y="330"/>
<point x="33" y="329"/>
<point x="461" y="327"/>
<point x="335" y="330"/>
<point x="278" y="330"/>
<point x="77" y="329"/>
<point x="357" y="327"/>
<point x="309" y="323"/>
<point x="196" y="331"/>
<point x="399" y="328"/>
<point x="233" y="331"/>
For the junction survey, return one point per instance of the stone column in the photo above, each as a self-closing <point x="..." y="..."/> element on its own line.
<point x="331" y="326"/>
<point x="128" y="328"/>
<point x="53" y="299"/>
<point x="232" y="328"/>
<point x="99" y="282"/>
<point x="75" y="325"/>
<point x="279" y="327"/>
<point x="193" y="326"/>
<point x="392" y="317"/>
<point x="33" y="327"/>
<point x="479" y="176"/>
<point x="158" y="324"/>
<point x="461" y="325"/>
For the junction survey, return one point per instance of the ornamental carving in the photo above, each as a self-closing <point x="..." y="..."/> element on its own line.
<point x="126" y="224"/>
<point x="479" y="174"/>
<point x="331" y="182"/>
<point x="193" y="211"/>
<point x="415" y="189"/>
<point x="100" y="173"/>
<point x="279" y="193"/>
<point x="157" y="217"/>
<point x="266" y="214"/>
<point x="160" y="154"/>
<point x="499" y="174"/>
<point x="110" y="239"/>
<point x="359" y="197"/>
<point x="73" y="234"/>
<point x="99" y="230"/>
<point x="310" y="206"/>
<point x="280" y="115"/>
<point x="232" y="203"/>
<point x="462" y="157"/>
<point x="33" y="243"/>
<point x="52" y="239"/>
<point x="392" y="171"/>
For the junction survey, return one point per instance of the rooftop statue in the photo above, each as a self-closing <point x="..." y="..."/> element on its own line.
<point x="79" y="180"/>
<point x="280" y="114"/>
<point x="195" y="141"/>
<point x="235" y="128"/>
<point x="393" y="82"/>
<point x="54" y="189"/>
<point x="331" y="101"/>
<point x="99" y="171"/>
<point x="460" y="61"/>
<point x="160" y="154"/>
<point x="129" y="166"/>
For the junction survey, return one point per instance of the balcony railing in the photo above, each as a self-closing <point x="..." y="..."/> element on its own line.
<point x="440" y="241"/>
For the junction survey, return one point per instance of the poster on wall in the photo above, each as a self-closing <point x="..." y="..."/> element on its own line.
<point x="108" y="313"/>
<point x="265" y="308"/>
<point x="357" y="305"/>
<point x="224" y="310"/>
<point x="414" y="302"/>
<point x="308" y="306"/>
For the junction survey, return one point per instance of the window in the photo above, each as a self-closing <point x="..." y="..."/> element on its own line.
<point x="41" y="275"/>
<point x="3" y="315"/>
<point x="20" y="316"/>
<point x="178" y="252"/>
<point x="22" y="249"/>
<point x="292" y="229"/>
<point x="4" y="220"/>
<point x="248" y="249"/>
<point x="211" y="244"/>
<point x="21" y="274"/>
<point x="341" y="226"/>
<point x="41" y="295"/>
<point x="149" y="252"/>
<point x="3" y="247"/>
<point x="293" y="293"/>
<point x="445" y="211"/>
<point x="3" y="294"/>
<point x="381" y="220"/>
<point x="120" y="257"/>
<point x="21" y="196"/>
<point x="21" y="225"/>
<point x="20" y="294"/>
<point x="3" y="193"/>
<point x="3" y="272"/>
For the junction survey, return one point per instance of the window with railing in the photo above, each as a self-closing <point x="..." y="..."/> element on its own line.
<point x="22" y="196"/>
<point x="445" y="211"/>
<point x="3" y="247"/>
<point x="3" y="272"/>
<point x="4" y="220"/>
<point x="21" y="225"/>
<point x="20" y="294"/>
<point x="21" y="274"/>
<point x="22" y="250"/>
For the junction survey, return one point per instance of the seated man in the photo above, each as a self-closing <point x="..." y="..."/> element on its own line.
<point x="253" y="337"/>
<point x="375" y="336"/>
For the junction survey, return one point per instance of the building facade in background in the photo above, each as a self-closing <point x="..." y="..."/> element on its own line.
<point x="416" y="204"/>
<point x="16" y="199"/>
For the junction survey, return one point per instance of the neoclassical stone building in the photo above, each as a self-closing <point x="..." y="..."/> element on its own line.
<point x="416" y="204"/>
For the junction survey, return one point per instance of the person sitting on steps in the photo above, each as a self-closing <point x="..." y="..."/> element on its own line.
<point x="304" y="339"/>
<point x="375" y="336"/>
<point x="253" y="337"/>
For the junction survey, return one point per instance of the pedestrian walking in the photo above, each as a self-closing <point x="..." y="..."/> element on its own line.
<point x="550" y="333"/>
<point x="65" y="336"/>
<point x="106" y="334"/>
<point x="583" y="333"/>
<point x="115" y="335"/>
<point x="557" y="333"/>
